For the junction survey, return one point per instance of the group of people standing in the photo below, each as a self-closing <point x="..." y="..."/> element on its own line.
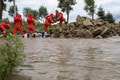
<point x="19" y="23"/>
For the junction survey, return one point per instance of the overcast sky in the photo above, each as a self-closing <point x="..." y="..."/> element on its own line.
<point x="109" y="5"/>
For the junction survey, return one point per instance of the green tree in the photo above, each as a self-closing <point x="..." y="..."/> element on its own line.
<point x="11" y="11"/>
<point x="35" y="14"/>
<point x="109" y="18"/>
<point x="27" y="11"/>
<point x="101" y="13"/>
<point x="66" y="6"/>
<point x="43" y="12"/>
<point x="3" y="7"/>
<point x="90" y="7"/>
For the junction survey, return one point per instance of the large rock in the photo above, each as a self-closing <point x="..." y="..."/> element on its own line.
<point x="79" y="19"/>
<point x="87" y="23"/>
<point x="100" y="31"/>
<point x="104" y="31"/>
<point x="78" y="24"/>
<point x="71" y="25"/>
<point x="84" y="34"/>
<point x="98" y="22"/>
<point x="56" y="33"/>
<point x="68" y="36"/>
<point x="99" y="37"/>
<point x="97" y="31"/>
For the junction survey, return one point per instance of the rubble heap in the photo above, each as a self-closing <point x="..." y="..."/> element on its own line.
<point x="87" y="28"/>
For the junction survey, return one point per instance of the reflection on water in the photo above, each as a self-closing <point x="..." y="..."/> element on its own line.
<point x="71" y="59"/>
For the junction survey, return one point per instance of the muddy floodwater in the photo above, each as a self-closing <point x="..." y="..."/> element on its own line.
<point x="71" y="59"/>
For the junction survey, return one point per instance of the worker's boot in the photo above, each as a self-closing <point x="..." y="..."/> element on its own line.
<point x="51" y="32"/>
<point x="43" y="33"/>
<point x="22" y="36"/>
<point x="28" y="36"/>
<point x="33" y="35"/>
<point x="4" y="35"/>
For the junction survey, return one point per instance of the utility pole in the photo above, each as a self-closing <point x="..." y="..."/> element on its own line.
<point x="14" y="8"/>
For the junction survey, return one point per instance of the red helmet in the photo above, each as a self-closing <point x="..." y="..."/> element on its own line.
<point x="31" y="16"/>
<point x="51" y="14"/>
<point x="18" y="15"/>
<point x="56" y="11"/>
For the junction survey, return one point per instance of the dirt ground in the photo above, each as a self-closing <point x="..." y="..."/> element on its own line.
<point x="71" y="59"/>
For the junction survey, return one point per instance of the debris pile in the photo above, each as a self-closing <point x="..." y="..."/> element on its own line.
<point x="87" y="28"/>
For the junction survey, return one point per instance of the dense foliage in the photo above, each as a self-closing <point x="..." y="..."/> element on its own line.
<point x="11" y="55"/>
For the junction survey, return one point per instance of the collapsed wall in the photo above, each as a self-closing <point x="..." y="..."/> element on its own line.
<point x="87" y="28"/>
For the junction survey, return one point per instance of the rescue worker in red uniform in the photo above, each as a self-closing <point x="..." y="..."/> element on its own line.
<point x="31" y="23"/>
<point x="2" y="28"/>
<point x="18" y="22"/>
<point x="48" y="22"/>
<point x="7" y="26"/>
<point x="59" y="17"/>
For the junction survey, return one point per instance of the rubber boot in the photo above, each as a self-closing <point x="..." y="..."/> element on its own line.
<point x="43" y="33"/>
<point x="33" y="35"/>
<point x="4" y="35"/>
<point x="22" y="36"/>
<point x="51" y="32"/>
<point x="28" y="36"/>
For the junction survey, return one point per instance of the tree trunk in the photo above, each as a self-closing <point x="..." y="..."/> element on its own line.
<point x="15" y="7"/>
<point x="1" y="7"/>
<point x="67" y="16"/>
<point x="93" y="16"/>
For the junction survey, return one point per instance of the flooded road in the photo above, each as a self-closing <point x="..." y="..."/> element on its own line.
<point x="71" y="59"/>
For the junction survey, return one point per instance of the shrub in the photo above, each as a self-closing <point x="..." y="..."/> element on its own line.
<point x="11" y="55"/>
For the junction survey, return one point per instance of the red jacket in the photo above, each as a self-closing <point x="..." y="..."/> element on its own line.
<point x="6" y="25"/>
<point x="59" y="16"/>
<point x="18" y="20"/>
<point x="49" y="19"/>
<point x="31" y="20"/>
<point x="2" y="28"/>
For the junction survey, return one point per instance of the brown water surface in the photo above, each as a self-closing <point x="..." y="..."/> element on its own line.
<point x="71" y="59"/>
